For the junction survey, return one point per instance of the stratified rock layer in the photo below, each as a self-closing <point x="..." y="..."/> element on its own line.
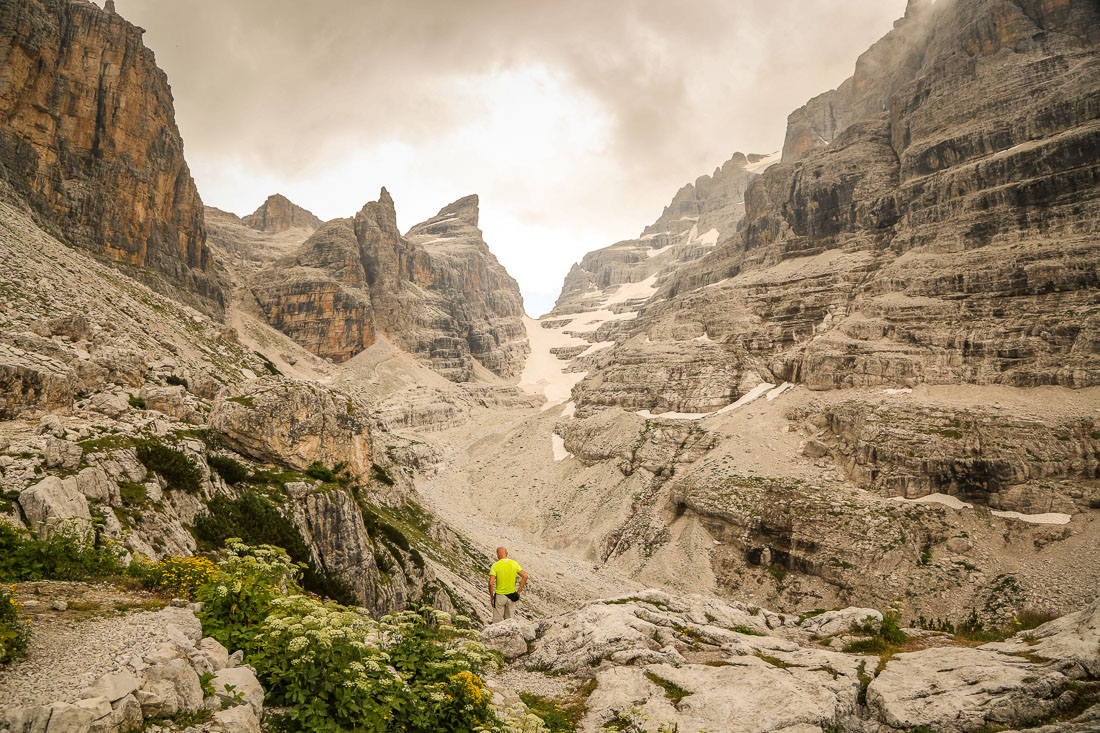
<point x="438" y="291"/>
<point x="88" y="137"/>
<point x="946" y="233"/>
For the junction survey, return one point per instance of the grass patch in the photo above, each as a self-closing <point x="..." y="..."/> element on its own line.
<point x="134" y="494"/>
<point x="138" y="402"/>
<point x="673" y="691"/>
<point x="775" y="661"/>
<point x="381" y="475"/>
<point x="561" y="716"/>
<point x="246" y="401"/>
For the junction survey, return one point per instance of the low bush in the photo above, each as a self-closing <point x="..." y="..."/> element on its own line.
<point x="231" y="471"/>
<point x="138" y="402"/>
<point x="176" y="381"/>
<point x="15" y="634"/>
<point x="237" y="597"/>
<point x="71" y="551"/>
<point x="177" y="468"/>
<point x="318" y="471"/>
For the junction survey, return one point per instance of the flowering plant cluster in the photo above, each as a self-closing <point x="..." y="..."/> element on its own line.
<point x="237" y="597"/>
<point x="65" y="550"/>
<point x="335" y="669"/>
<point x="14" y="632"/>
<point x="179" y="576"/>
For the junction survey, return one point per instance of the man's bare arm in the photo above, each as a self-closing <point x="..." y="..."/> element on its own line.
<point x="522" y="581"/>
<point x="492" y="587"/>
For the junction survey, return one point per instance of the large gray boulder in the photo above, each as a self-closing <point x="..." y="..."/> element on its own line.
<point x="51" y="501"/>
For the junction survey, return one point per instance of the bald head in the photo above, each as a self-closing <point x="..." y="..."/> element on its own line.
<point x="502" y="552"/>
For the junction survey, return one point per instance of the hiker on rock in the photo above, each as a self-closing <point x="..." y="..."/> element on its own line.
<point x="503" y="592"/>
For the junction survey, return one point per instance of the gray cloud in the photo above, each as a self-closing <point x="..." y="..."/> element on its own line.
<point x="645" y="94"/>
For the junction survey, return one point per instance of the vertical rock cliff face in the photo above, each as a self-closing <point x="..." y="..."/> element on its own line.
<point x="438" y="291"/>
<point x="88" y="137"/>
<point x="944" y="229"/>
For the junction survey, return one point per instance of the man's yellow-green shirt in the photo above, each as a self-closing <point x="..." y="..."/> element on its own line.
<point x="505" y="571"/>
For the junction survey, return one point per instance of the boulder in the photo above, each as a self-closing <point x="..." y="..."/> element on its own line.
<point x="841" y="622"/>
<point x="114" y="686"/>
<point x="293" y="423"/>
<point x="62" y="454"/>
<point x="51" y="501"/>
<point x="216" y="654"/>
<point x="50" y="425"/>
<point x="238" y="685"/>
<point x="183" y="679"/>
<point x="238" y="719"/>
<point x="111" y="404"/>
<point x="93" y="483"/>
<point x="509" y="637"/>
<point x="158" y="699"/>
<point x="1074" y="637"/>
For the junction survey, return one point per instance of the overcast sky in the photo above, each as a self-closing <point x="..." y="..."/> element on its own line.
<point x="574" y="120"/>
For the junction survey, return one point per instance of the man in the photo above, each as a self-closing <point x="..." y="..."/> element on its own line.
<point x="503" y="592"/>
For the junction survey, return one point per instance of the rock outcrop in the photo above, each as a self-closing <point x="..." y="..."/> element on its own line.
<point x="295" y="424"/>
<point x="438" y="291"/>
<point x="278" y="213"/>
<point x="701" y="664"/>
<point x="88" y="139"/>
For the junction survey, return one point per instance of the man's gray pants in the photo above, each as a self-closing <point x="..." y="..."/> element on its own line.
<point x="503" y="608"/>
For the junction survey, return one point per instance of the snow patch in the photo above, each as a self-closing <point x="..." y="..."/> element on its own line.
<point x="901" y="390"/>
<point x="778" y="391"/>
<point x="634" y="291"/>
<point x="767" y="161"/>
<point x="709" y="239"/>
<point x="558" y="444"/>
<point x="570" y="409"/>
<point x="750" y="396"/>
<point x="956" y="503"/>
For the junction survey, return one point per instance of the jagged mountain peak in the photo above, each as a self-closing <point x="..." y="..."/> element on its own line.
<point x="278" y="213"/>
<point x="465" y="208"/>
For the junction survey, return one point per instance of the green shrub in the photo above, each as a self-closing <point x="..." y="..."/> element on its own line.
<point x="15" y="634"/>
<point x="238" y="596"/>
<point x="71" y="551"/>
<point x="257" y="521"/>
<point x="231" y="471"/>
<point x="138" y="402"/>
<point x="377" y="473"/>
<point x="175" y="381"/>
<point x="318" y="471"/>
<point x="176" y="467"/>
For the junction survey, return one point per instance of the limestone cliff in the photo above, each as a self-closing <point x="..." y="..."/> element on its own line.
<point x="88" y="138"/>
<point x="947" y="233"/>
<point x="438" y="291"/>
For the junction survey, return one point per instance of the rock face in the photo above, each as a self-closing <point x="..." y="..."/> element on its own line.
<point x="89" y="140"/>
<point x="947" y="232"/>
<point x="437" y="291"/>
<point x="278" y="213"/>
<point x="295" y="424"/>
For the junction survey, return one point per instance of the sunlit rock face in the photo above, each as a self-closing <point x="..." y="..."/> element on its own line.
<point x="88" y="138"/>
<point x="437" y="291"/>
<point x="941" y="228"/>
